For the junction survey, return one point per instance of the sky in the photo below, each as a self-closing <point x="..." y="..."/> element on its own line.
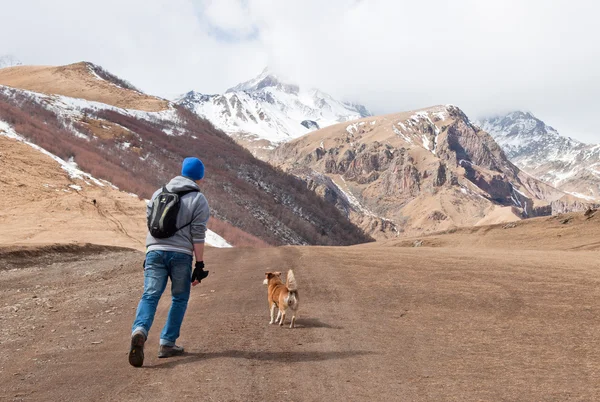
<point x="486" y="56"/>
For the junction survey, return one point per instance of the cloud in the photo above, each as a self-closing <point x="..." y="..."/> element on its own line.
<point x="227" y="20"/>
<point x="164" y="47"/>
<point x="486" y="57"/>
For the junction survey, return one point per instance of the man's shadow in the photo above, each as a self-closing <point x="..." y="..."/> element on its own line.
<point x="284" y="357"/>
<point x="288" y="357"/>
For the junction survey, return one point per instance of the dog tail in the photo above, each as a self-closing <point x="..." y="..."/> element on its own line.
<point x="291" y="281"/>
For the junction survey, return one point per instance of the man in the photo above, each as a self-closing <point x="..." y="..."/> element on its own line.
<point x="170" y="255"/>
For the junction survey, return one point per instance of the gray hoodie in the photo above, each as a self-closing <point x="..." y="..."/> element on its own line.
<point x="194" y="208"/>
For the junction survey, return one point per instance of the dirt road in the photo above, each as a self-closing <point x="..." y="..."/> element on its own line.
<point x="405" y="324"/>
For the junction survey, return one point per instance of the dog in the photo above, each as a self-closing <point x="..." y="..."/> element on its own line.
<point x="284" y="296"/>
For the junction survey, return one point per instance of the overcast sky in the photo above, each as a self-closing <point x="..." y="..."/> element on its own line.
<point x="486" y="56"/>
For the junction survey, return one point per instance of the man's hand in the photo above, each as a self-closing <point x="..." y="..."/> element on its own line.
<point x="199" y="273"/>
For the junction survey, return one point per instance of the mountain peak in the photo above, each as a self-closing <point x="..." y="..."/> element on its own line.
<point x="544" y="153"/>
<point x="518" y="123"/>
<point x="266" y="79"/>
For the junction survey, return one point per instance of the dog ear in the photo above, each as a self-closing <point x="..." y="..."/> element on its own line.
<point x="277" y="273"/>
<point x="269" y="275"/>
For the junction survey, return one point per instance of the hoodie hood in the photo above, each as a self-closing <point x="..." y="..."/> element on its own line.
<point x="180" y="183"/>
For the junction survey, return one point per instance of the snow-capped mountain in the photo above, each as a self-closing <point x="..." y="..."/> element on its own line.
<point x="267" y="108"/>
<point x="87" y="116"/>
<point x="543" y="152"/>
<point x="9" y="61"/>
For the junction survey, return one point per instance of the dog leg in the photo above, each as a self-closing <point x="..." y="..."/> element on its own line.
<point x="293" y="324"/>
<point x="278" y="317"/>
<point x="282" y="318"/>
<point x="273" y="307"/>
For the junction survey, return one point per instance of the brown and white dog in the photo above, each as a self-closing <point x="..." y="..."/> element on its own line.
<point x="284" y="296"/>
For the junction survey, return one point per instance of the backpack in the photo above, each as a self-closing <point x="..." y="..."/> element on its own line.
<point x="162" y="222"/>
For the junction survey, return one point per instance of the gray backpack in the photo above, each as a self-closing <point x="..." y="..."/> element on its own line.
<point x="162" y="222"/>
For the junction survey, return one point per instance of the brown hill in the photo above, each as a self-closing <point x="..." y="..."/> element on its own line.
<point x="140" y="151"/>
<point x="47" y="202"/>
<point x="418" y="172"/>
<point x="81" y="80"/>
<point x="573" y="231"/>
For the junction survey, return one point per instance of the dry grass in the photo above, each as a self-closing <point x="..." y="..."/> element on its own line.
<point x="105" y="129"/>
<point x="78" y="81"/>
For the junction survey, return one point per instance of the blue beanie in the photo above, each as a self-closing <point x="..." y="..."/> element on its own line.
<point x="192" y="168"/>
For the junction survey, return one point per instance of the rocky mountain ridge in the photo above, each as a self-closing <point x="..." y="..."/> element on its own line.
<point x="543" y="152"/>
<point x="419" y="171"/>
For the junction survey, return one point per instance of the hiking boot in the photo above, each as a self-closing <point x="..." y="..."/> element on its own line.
<point x="169" y="351"/>
<point x="136" y="351"/>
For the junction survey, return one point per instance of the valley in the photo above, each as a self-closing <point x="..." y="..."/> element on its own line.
<point x="432" y="263"/>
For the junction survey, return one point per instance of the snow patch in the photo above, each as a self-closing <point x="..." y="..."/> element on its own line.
<point x="585" y="197"/>
<point x="401" y="134"/>
<point x="352" y="129"/>
<point x="213" y="239"/>
<point x="426" y="142"/>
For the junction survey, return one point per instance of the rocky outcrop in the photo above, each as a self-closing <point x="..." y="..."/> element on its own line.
<point x="568" y="204"/>
<point x="310" y="124"/>
<point x="402" y="178"/>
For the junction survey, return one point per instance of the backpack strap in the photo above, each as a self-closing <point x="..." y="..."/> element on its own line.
<point x="181" y="194"/>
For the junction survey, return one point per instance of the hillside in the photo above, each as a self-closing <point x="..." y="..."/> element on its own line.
<point x="47" y="200"/>
<point x="81" y="80"/>
<point x="267" y="110"/>
<point x="417" y="172"/>
<point x="543" y="152"/>
<point x="138" y="151"/>
<point x="575" y="231"/>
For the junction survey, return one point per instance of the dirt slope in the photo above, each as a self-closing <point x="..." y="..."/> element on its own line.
<point x="41" y="204"/>
<point x="79" y="80"/>
<point x="569" y="232"/>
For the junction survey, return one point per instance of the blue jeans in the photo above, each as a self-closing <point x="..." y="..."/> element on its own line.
<point x="161" y="265"/>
